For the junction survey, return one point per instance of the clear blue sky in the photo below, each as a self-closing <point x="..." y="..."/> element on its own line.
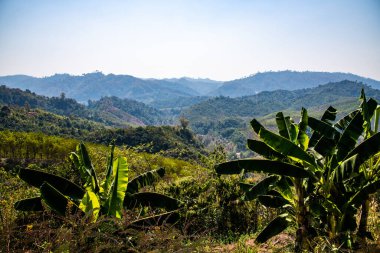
<point x="218" y="39"/>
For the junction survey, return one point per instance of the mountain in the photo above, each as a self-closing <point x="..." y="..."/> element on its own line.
<point x="169" y="93"/>
<point x="284" y="80"/>
<point x="110" y="111"/>
<point x="200" y="85"/>
<point x="96" y="85"/>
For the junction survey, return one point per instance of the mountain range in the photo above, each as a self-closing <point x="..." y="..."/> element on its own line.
<point x="162" y="92"/>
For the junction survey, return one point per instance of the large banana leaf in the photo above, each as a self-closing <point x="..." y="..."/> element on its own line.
<point x="90" y="204"/>
<point x="345" y="121"/>
<point x="350" y="136"/>
<point x="357" y="157"/>
<point x="325" y="146"/>
<point x="328" y="115"/>
<point x="85" y="163"/>
<point x="31" y="204"/>
<point x="303" y="138"/>
<point x="264" y="150"/>
<point x="274" y="227"/>
<point x="285" y="127"/>
<point x="145" y="179"/>
<point x="367" y="148"/>
<point x="357" y="199"/>
<point x="267" y="166"/>
<point x="368" y="109"/>
<point x="256" y="126"/>
<point x="324" y="129"/>
<point x="152" y="199"/>
<point x="82" y="171"/>
<point x="108" y="179"/>
<point x="36" y="178"/>
<point x="56" y="200"/>
<point x="285" y="147"/>
<point x="377" y="119"/>
<point x="114" y="203"/>
<point x="260" y="188"/>
<point x="272" y="201"/>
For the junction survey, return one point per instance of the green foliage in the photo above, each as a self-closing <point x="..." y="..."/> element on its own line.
<point x="60" y="194"/>
<point x="336" y="178"/>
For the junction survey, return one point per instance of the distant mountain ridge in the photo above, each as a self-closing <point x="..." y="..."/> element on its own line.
<point x="165" y="92"/>
<point x="96" y="85"/>
<point x="285" y="80"/>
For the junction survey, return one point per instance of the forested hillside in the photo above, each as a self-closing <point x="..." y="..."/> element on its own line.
<point x="229" y="117"/>
<point x="111" y="111"/>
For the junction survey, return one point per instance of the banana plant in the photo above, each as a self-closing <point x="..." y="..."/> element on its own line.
<point x="314" y="180"/>
<point x="290" y="167"/>
<point x="92" y="198"/>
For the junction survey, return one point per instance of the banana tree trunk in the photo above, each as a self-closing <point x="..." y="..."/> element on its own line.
<point x="302" y="219"/>
<point x="362" y="230"/>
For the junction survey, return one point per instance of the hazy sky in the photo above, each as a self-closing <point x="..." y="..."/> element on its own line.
<point x="218" y="39"/>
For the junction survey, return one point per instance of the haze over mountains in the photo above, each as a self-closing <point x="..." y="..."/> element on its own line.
<point x="160" y="92"/>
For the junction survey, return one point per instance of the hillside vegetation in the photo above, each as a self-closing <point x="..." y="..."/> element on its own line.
<point x="111" y="111"/>
<point x="229" y="117"/>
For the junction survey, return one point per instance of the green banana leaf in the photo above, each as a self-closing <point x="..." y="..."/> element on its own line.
<point x="303" y="138"/>
<point x="357" y="157"/>
<point x="368" y="109"/>
<point x="377" y="119"/>
<point x="114" y="203"/>
<point x="152" y="199"/>
<point x="357" y="199"/>
<point x="286" y="147"/>
<point x="264" y="150"/>
<point x="267" y="166"/>
<point x="56" y="200"/>
<point x="345" y="121"/>
<point x="256" y="126"/>
<point x="85" y="163"/>
<point x="260" y="188"/>
<point x="145" y="179"/>
<point x="285" y="127"/>
<point x="36" y="178"/>
<point x="350" y="136"/>
<point x="31" y="204"/>
<point x="90" y="205"/>
<point x="328" y="115"/>
<point x="272" y="201"/>
<point x="108" y="179"/>
<point x="82" y="171"/>
<point x="276" y="226"/>
<point x="367" y="148"/>
<point x="324" y="129"/>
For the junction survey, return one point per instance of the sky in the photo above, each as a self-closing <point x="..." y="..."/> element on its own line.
<point x="217" y="39"/>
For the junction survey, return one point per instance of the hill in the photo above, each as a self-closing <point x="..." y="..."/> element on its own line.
<point x="111" y="111"/>
<point x="165" y="93"/>
<point x="93" y="86"/>
<point x="170" y="141"/>
<point x="229" y="118"/>
<point x="285" y="80"/>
